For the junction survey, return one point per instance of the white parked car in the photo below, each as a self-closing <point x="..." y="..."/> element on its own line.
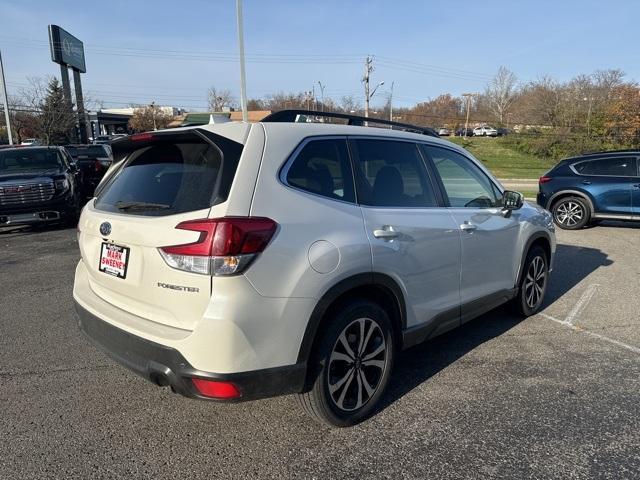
<point x="444" y="132"/>
<point x="485" y="131"/>
<point x="238" y="261"/>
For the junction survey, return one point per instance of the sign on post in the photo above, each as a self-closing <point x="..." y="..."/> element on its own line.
<point x="66" y="49"/>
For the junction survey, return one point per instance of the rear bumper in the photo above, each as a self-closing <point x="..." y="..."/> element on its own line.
<point x="165" y="366"/>
<point x="542" y="199"/>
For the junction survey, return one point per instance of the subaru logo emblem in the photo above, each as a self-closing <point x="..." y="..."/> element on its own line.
<point x="105" y="228"/>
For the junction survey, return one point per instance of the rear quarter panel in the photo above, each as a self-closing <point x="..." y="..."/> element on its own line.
<point x="308" y="226"/>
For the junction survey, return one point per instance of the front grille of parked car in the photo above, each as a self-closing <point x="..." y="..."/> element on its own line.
<point x="24" y="193"/>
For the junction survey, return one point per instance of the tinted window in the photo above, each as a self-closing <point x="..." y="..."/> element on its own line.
<point x="21" y="159"/>
<point x="88" y="150"/>
<point x="465" y="184"/>
<point x="615" y="167"/>
<point x="323" y="167"/>
<point x="171" y="177"/>
<point x="391" y="174"/>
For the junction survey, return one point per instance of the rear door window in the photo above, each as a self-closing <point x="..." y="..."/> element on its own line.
<point x="173" y="174"/>
<point x="391" y="174"/>
<point x="610" y="167"/>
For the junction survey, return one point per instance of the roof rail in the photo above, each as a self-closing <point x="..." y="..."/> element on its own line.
<point x="627" y="150"/>
<point x="293" y="116"/>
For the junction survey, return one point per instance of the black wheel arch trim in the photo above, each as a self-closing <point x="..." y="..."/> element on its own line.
<point x="578" y="193"/>
<point x="372" y="279"/>
<point x="525" y="251"/>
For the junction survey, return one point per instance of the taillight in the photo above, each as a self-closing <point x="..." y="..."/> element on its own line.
<point x="216" y="388"/>
<point x="226" y="245"/>
<point x="544" y="179"/>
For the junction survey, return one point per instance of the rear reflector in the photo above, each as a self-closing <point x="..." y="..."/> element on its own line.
<point x="216" y="389"/>
<point x="544" y="179"/>
<point x="226" y="245"/>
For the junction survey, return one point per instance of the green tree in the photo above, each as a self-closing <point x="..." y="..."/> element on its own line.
<point x="56" y="120"/>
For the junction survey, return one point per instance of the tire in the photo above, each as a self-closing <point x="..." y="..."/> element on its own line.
<point x="571" y="213"/>
<point x="533" y="284"/>
<point x="350" y="375"/>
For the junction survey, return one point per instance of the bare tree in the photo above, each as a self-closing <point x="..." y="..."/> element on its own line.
<point x="219" y="99"/>
<point x="350" y="104"/>
<point x="149" y="118"/>
<point x="501" y="92"/>
<point x="55" y="120"/>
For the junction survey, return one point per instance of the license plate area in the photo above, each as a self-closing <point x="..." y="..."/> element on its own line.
<point x="114" y="260"/>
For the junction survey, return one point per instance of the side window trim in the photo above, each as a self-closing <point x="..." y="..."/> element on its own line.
<point x="286" y="166"/>
<point x="429" y="176"/>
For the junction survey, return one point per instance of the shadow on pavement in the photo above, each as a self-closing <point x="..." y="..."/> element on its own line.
<point x="418" y="364"/>
<point x="25" y="230"/>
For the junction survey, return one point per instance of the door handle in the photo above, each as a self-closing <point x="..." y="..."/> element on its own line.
<point x="468" y="227"/>
<point x="637" y="185"/>
<point x="586" y="182"/>
<point x="386" y="233"/>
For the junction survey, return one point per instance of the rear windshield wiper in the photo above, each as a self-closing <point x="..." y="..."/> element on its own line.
<point x="122" y="205"/>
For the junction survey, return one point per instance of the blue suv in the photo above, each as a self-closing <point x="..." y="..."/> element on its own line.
<point x="597" y="186"/>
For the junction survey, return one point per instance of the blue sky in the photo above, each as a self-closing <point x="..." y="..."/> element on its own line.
<point x="172" y="51"/>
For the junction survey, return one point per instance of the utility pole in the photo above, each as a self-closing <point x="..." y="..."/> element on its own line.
<point x="153" y="114"/>
<point x="5" y="101"/>
<point x="368" y="68"/>
<point x="321" y="94"/>
<point x="391" y="102"/>
<point x="243" y="79"/>
<point x="468" y="96"/>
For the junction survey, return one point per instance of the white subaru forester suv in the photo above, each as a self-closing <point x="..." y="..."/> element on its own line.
<point x="239" y="261"/>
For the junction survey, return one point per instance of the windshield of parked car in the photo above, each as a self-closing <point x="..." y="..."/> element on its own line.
<point x="19" y="160"/>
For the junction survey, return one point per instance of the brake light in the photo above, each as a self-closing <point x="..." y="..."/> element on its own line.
<point x="544" y="179"/>
<point x="216" y="389"/>
<point x="226" y="246"/>
<point x="141" y="137"/>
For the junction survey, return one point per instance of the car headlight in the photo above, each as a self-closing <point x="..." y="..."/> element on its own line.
<point x="62" y="185"/>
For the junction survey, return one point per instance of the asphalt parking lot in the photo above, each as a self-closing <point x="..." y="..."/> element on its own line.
<point x="553" y="396"/>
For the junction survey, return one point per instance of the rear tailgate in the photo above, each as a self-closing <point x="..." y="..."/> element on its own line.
<point x="142" y="284"/>
<point x="165" y="179"/>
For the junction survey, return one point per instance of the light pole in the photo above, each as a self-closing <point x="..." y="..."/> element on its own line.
<point x="5" y="101"/>
<point x="369" y="97"/>
<point x="468" y="96"/>
<point x="321" y="94"/>
<point x="391" y="103"/>
<point x="243" y="79"/>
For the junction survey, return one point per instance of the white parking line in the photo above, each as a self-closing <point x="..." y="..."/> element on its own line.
<point x="592" y="334"/>
<point x="582" y="303"/>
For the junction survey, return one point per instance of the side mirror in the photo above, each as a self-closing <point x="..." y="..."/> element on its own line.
<point x="73" y="167"/>
<point x="511" y="201"/>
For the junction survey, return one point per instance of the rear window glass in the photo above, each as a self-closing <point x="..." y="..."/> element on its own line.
<point x="89" y="151"/>
<point x="17" y="160"/>
<point x="171" y="177"/>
